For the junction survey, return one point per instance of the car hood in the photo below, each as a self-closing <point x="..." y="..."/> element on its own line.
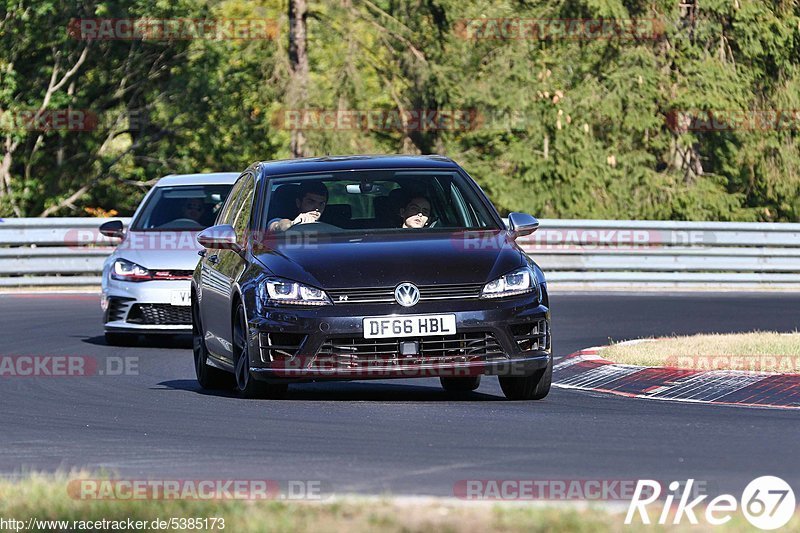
<point x="386" y="260"/>
<point x="160" y="250"/>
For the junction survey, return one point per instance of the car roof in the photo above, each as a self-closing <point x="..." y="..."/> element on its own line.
<point x="208" y="178"/>
<point x="354" y="162"/>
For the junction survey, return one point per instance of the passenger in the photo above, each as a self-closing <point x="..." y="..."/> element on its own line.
<point x="416" y="213"/>
<point x="193" y="209"/>
<point x="311" y="201"/>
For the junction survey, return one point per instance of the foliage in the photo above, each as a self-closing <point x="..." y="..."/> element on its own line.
<point x="563" y="127"/>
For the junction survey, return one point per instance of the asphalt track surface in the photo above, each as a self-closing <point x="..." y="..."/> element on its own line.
<point x="388" y="437"/>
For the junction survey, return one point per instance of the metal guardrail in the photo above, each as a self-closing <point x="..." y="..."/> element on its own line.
<point x="573" y="253"/>
<point x="619" y="254"/>
<point x="53" y="251"/>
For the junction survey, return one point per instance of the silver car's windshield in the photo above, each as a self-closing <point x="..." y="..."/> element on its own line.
<point x="375" y="201"/>
<point x="181" y="207"/>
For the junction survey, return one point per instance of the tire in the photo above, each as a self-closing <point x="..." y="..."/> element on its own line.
<point x="533" y="387"/>
<point x="246" y="384"/>
<point x="208" y="377"/>
<point x="469" y="384"/>
<point x="120" y="339"/>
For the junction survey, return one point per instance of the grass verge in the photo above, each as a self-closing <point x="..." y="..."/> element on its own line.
<point x="45" y="497"/>
<point x="756" y="351"/>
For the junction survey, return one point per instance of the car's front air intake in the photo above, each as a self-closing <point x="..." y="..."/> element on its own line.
<point x="471" y="346"/>
<point x="160" y="315"/>
<point x="279" y="346"/>
<point x="531" y="335"/>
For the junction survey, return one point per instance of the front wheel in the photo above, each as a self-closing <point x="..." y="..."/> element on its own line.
<point x="245" y="383"/>
<point x="533" y="387"/>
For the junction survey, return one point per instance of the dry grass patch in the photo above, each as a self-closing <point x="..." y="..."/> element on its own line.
<point x="757" y="351"/>
<point x="46" y="497"/>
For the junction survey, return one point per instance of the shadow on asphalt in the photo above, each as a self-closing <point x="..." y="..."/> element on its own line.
<point x="182" y="341"/>
<point x="191" y="385"/>
<point x="347" y="392"/>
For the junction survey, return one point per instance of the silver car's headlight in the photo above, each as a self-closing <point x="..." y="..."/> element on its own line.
<point x="517" y="282"/>
<point x="284" y="291"/>
<point x="124" y="270"/>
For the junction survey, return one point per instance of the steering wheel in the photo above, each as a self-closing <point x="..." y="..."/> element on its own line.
<point x="181" y="223"/>
<point x="317" y="226"/>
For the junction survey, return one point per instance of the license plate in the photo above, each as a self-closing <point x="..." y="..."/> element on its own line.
<point x="409" y="326"/>
<point x="180" y="298"/>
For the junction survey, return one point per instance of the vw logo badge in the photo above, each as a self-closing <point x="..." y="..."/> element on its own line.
<point x="406" y="294"/>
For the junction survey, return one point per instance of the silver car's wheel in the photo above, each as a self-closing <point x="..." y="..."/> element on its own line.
<point x="245" y="384"/>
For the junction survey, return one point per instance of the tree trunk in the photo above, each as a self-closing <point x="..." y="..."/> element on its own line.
<point x="298" y="61"/>
<point x="6" y="189"/>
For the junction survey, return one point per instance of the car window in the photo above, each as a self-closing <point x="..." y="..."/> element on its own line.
<point x="376" y="201"/>
<point x="465" y="209"/>
<point x="232" y="205"/>
<point x="181" y="207"/>
<point x="243" y="207"/>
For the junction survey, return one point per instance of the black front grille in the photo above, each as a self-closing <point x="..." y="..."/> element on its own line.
<point x="161" y="315"/>
<point x="279" y="346"/>
<point x="386" y="294"/>
<point x="356" y="296"/>
<point x="450" y="292"/>
<point x="531" y="335"/>
<point x="471" y="346"/>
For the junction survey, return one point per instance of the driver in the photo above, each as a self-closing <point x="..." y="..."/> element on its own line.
<point x="310" y="201"/>
<point x="193" y="209"/>
<point x="416" y="213"/>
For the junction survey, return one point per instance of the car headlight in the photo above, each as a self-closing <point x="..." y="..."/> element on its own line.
<point x="124" y="270"/>
<point x="519" y="281"/>
<point x="283" y="291"/>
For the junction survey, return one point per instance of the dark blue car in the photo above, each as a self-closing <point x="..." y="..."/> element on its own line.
<point x="367" y="267"/>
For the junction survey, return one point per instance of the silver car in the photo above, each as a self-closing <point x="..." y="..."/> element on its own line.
<point x="146" y="280"/>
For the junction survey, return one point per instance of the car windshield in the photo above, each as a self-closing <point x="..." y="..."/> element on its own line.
<point x="389" y="201"/>
<point x="182" y="207"/>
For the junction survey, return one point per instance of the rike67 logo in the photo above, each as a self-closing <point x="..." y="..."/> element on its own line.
<point x="767" y="502"/>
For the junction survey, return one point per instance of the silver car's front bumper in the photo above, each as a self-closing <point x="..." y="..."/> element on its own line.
<point x="146" y="306"/>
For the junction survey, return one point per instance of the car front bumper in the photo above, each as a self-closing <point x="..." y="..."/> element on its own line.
<point x="145" y="307"/>
<point x="327" y="343"/>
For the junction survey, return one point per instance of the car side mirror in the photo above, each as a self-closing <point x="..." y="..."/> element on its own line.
<point x="521" y="224"/>
<point x="222" y="237"/>
<point x="113" y="229"/>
